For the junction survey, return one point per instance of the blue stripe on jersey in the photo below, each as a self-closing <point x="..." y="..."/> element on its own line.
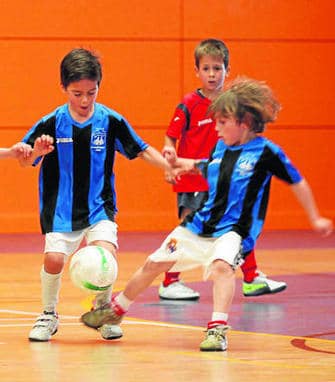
<point x="76" y="183"/>
<point x="239" y="181"/>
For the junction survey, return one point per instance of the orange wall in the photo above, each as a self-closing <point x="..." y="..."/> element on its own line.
<point x="146" y="49"/>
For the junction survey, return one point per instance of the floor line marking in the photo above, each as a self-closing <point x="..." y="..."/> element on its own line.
<point x="136" y="321"/>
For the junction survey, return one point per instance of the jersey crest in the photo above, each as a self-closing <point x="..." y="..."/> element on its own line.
<point x="98" y="141"/>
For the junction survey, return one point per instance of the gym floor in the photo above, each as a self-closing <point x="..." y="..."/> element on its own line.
<point x="285" y="336"/>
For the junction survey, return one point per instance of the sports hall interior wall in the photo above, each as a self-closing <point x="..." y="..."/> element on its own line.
<point x="146" y="48"/>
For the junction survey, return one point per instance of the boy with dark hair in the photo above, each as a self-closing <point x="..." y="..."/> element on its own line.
<point x="76" y="183"/>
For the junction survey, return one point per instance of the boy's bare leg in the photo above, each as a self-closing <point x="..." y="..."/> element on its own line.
<point x="144" y="276"/>
<point x="223" y="277"/>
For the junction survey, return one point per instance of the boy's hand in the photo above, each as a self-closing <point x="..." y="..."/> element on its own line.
<point x="323" y="226"/>
<point x="43" y="145"/>
<point x="169" y="178"/>
<point x="169" y="153"/>
<point x="21" y="150"/>
<point x="184" y="166"/>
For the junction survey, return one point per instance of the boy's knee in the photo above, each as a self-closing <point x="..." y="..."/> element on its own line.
<point x="221" y="267"/>
<point x="54" y="262"/>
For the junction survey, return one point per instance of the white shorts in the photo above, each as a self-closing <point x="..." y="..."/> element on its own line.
<point x="69" y="242"/>
<point x="190" y="250"/>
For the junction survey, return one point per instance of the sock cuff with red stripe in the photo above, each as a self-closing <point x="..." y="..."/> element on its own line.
<point x="214" y="324"/>
<point x="119" y="305"/>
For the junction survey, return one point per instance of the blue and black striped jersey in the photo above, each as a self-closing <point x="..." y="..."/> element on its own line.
<point x="76" y="182"/>
<point x="239" y="180"/>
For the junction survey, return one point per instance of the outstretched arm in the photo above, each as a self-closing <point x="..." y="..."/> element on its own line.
<point x="305" y="196"/>
<point x="153" y="156"/>
<point x="43" y="145"/>
<point x="176" y="166"/>
<point x="185" y="166"/>
<point x="18" y="150"/>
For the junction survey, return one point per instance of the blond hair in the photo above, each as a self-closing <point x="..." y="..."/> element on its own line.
<point x="214" y="48"/>
<point x="249" y="101"/>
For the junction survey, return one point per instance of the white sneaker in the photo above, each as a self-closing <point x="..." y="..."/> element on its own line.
<point x="177" y="291"/>
<point x="262" y="285"/>
<point x="46" y="325"/>
<point x="110" y="332"/>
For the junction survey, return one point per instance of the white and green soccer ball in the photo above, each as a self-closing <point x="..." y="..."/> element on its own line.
<point x="93" y="269"/>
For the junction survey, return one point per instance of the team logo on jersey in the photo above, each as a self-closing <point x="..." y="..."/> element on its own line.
<point x="171" y="246"/>
<point x="246" y="165"/>
<point x="98" y="141"/>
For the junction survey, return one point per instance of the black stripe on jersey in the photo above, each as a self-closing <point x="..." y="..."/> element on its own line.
<point x="222" y="191"/>
<point x="264" y="202"/>
<point x="185" y="110"/>
<point x="122" y="133"/>
<point x="204" y="171"/>
<point x="255" y="184"/>
<point x="278" y="169"/>
<point x="81" y="181"/>
<point x="45" y="127"/>
<point x="276" y="166"/>
<point x="50" y="179"/>
<point x="107" y="192"/>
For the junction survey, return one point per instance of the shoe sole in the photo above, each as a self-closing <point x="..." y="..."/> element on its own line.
<point x="208" y="350"/>
<point x="261" y="292"/>
<point x="180" y="299"/>
<point x="98" y="330"/>
<point x="111" y="338"/>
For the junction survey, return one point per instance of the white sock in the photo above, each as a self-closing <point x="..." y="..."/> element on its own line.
<point x="123" y="301"/>
<point x="50" y="290"/>
<point x="218" y="316"/>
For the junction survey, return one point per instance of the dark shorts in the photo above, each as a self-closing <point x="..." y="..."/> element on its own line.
<point x="189" y="200"/>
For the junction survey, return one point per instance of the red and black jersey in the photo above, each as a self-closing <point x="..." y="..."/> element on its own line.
<point x="195" y="131"/>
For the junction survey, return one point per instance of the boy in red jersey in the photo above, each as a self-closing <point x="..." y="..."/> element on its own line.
<point x="192" y="129"/>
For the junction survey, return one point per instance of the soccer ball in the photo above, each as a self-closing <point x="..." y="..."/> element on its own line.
<point x="93" y="269"/>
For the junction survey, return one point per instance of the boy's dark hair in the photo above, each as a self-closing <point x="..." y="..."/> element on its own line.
<point x="80" y="64"/>
<point x="212" y="47"/>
